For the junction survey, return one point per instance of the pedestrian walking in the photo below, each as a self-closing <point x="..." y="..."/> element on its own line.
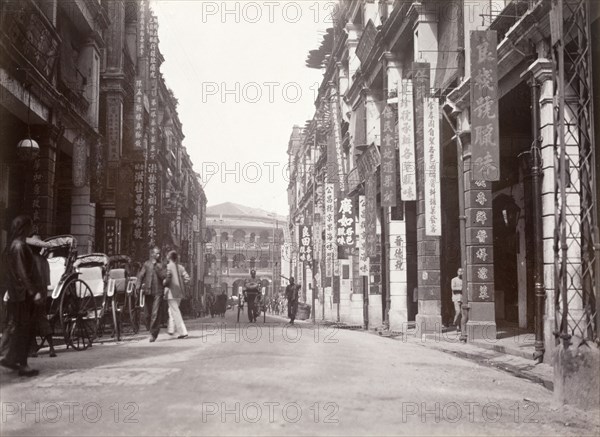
<point x="17" y="260"/>
<point x="178" y="279"/>
<point x="42" y="326"/>
<point x="291" y="293"/>
<point x="456" y="285"/>
<point x="151" y="280"/>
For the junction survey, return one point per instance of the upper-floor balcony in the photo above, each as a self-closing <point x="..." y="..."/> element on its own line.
<point x="29" y="37"/>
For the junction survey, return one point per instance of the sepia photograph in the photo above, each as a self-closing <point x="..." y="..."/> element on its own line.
<point x="299" y="218"/>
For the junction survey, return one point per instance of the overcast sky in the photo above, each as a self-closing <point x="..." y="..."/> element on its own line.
<point x="237" y="69"/>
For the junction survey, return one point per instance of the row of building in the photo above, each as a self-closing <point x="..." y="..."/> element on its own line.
<point x="92" y="141"/>
<point x="454" y="135"/>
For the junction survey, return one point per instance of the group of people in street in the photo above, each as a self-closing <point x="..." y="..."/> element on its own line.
<point x="156" y="282"/>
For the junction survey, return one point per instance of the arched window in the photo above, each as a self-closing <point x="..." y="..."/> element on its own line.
<point x="224" y="237"/>
<point x="264" y="262"/>
<point x="239" y="261"/>
<point x="252" y="237"/>
<point x="239" y="236"/>
<point x="224" y="261"/>
<point x="211" y="260"/>
<point x="252" y="263"/>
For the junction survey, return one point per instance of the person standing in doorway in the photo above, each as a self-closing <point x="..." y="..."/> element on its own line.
<point x="456" y="285"/>
<point x="174" y="292"/>
<point x="151" y="279"/>
<point x="291" y="293"/>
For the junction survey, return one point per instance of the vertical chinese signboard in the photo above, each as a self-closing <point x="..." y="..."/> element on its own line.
<point x="345" y="228"/>
<point x="431" y="152"/>
<point x="152" y="167"/>
<point x="141" y="28"/>
<point x="480" y="250"/>
<point x="138" y="113"/>
<point x="484" y="106"/>
<point x="337" y="138"/>
<point x="388" y="157"/>
<point x="371" y="215"/>
<point x="305" y="250"/>
<point x="406" y="137"/>
<point x="363" y="259"/>
<point x="330" y="231"/>
<point x="36" y="191"/>
<point x="110" y="231"/>
<point x="138" y="200"/>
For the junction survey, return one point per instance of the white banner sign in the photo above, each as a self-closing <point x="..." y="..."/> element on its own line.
<point x="330" y="230"/>
<point x="363" y="259"/>
<point x="431" y="150"/>
<point x="406" y="143"/>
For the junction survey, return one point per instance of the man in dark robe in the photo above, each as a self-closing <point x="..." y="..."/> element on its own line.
<point x="291" y="293"/>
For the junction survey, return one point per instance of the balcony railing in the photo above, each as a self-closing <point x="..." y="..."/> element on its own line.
<point x="27" y="32"/>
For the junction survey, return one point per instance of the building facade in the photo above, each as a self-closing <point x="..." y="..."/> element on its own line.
<point x="456" y="128"/>
<point x="83" y="80"/>
<point x="239" y="239"/>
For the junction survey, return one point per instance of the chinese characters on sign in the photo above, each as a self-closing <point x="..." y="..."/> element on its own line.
<point x="37" y="186"/>
<point x="363" y="259"/>
<point x="330" y="229"/>
<point x="484" y="106"/>
<point x="388" y="157"/>
<point x="305" y="250"/>
<point x="480" y="242"/>
<point x="371" y="215"/>
<point x="109" y="237"/>
<point x="138" y="200"/>
<point x="337" y="135"/>
<point x="345" y="223"/>
<point x="141" y="28"/>
<point x="431" y="150"/>
<point x="138" y="113"/>
<point x="368" y="161"/>
<point x="152" y="166"/>
<point x="406" y="136"/>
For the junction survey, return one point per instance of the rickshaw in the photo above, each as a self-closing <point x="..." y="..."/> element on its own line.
<point x="122" y="289"/>
<point x="93" y="268"/>
<point x="72" y="303"/>
<point x="259" y="303"/>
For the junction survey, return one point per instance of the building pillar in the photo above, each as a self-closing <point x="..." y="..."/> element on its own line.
<point x="354" y="34"/>
<point x="83" y="219"/>
<point x="43" y="184"/>
<point x="479" y="272"/>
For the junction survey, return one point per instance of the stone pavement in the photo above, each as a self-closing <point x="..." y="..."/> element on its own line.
<point x="274" y="379"/>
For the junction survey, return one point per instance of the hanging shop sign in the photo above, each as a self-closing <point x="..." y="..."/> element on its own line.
<point x="345" y="223"/>
<point x="152" y="166"/>
<point x="305" y="246"/>
<point x="406" y="140"/>
<point x="138" y="113"/>
<point x="368" y="162"/>
<point x="97" y="171"/>
<point x="330" y="229"/>
<point x="79" y="162"/>
<point x="388" y="157"/>
<point x="371" y="215"/>
<point x="367" y="41"/>
<point x="480" y="243"/>
<point x="138" y="200"/>
<point x="485" y="138"/>
<point x="141" y="28"/>
<point x="363" y="259"/>
<point x="431" y="160"/>
<point x="110" y="235"/>
<point x="38" y="180"/>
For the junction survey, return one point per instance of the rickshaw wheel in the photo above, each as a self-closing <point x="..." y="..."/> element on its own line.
<point x="78" y="314"/>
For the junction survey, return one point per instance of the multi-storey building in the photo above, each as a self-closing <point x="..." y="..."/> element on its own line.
<point x="239" y="239"/>
<point x="82" y="79"/>
<point x="468" y="128"/>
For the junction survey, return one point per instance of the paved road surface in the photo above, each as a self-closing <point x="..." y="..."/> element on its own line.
<point x="273" y="379"/>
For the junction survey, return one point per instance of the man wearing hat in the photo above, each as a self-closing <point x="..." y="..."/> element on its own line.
<point x="291" y="293"/>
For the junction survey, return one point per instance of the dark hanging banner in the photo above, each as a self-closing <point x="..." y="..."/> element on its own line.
<point x="388" y="157"/>
<point x="485" y="137"/>
<point x="305" y="244"/>
<point x="346" y="232"/>
<point x="97" y="171"/>
<point x="371" y="214"/>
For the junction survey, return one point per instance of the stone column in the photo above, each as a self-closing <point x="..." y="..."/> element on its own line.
<point x="479" y="272"/>
<point x="541" y="71"/>
<point x="43" y="184"/>
<point x="354" y="33"/>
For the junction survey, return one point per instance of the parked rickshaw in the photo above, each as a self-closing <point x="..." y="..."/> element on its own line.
<point x="93" y="269"/>
<point x="72" y="307"/>
<point x="122" y="289"/>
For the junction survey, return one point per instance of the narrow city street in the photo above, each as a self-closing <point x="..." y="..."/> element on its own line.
<point x="248" y="379"/>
